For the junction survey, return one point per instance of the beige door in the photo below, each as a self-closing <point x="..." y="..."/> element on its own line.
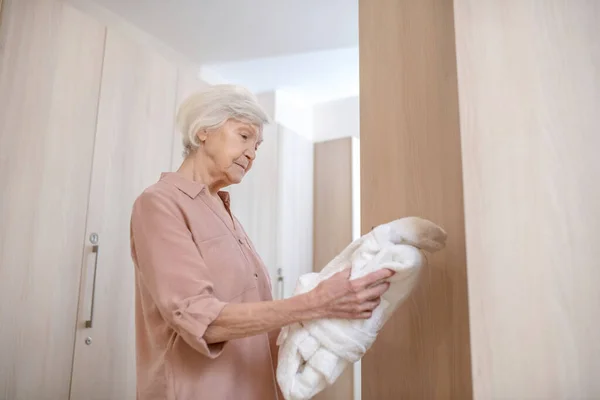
<point x="410" y="161"/>
<point x="50" y="67"/>
<point x="333" y="226"/>
<point x="529" y="76"/>
<point x="133" y="146"/>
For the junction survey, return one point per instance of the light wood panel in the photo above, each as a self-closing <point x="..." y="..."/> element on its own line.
<point x="101" y="11"/>
<point x="332" y="199"/>
<point x="50" y="66"/>
<point x="47" y="127"/>
<point x="188" y="82"/>
<point x="333" y="225"/>
<point x="133" y="146"/>
<point x="529" y="74"/>
<point x="411" y="165"/>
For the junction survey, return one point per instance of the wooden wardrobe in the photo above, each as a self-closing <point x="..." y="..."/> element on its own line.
<point x="86" y="123"/>
<point x="482" y="115"/>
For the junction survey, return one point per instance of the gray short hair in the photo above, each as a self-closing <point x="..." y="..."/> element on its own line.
<point x="210" y="108"/>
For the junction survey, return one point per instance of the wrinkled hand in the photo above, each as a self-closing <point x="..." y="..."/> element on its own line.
<point x="340" y="297"/>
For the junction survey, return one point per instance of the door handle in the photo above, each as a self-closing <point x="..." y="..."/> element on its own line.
<point x="96" y="251"/>
<point x="280" y="283"/>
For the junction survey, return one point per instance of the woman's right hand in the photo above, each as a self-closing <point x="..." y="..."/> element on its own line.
<point x="340" y="297"/>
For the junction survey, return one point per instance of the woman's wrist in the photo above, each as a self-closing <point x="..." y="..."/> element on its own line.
<point x="306" y="306"/>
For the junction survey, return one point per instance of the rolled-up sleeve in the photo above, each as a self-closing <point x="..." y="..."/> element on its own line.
<point x="173" y="271"/>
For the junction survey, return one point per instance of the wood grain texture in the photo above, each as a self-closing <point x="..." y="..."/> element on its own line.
<point x="101" y="13"/>
<point x="50" y="67"/>
<point x="332" y="200"/>
<point x="529" y="74"/>
<point x="133" y="146"/>
<point x="333" y="225"/>
<point x="411" y="165"/>
<point x="188" y="82"/>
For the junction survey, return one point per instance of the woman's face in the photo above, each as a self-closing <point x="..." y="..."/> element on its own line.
<point x="230" y="150"/>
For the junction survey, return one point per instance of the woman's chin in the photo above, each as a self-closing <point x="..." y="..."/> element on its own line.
<point x="236" y="178"/>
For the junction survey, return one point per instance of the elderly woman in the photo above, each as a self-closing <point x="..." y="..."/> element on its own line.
<point x="205" y="320"/>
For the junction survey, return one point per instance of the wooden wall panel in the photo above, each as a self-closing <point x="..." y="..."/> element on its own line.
<point x="333" y="224"/>
<point x="332" y="199"/>
<point x="411" y="165"/>
<point x="133" y="146"/>
<point x="50" y="67"/>
<point x="529" y="74"/>
<point x="188" y="82"/>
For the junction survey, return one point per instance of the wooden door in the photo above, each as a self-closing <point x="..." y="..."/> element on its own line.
<point x="333" y="225"/>
<point x="411" y="165"/>
<point x="529" y="76"/>
<point x="50" y="67"/>
<point x="133" y="146"/>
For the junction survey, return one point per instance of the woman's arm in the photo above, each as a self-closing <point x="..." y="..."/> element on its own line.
<point x="238" y="320"/>
<point x="336" y="297"/>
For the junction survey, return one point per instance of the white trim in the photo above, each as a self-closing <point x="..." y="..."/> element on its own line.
<point x="357" y="370"/>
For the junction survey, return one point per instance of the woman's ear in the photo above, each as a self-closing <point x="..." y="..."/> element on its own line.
<point x="201" y="135"/>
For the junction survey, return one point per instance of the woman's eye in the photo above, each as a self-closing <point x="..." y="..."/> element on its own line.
<point x="245" y="136"/>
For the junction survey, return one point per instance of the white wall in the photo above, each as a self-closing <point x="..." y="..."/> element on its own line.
<point x="274" y="202"/>
<point x="255" y="200"/>
<point x="311" y="77"/>
<point x="296" y="207"/>
<point x="336" y="119"/>
<point x="294" y="113"/>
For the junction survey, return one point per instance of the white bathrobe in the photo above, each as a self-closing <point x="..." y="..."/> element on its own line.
<point x="312" y="355"/>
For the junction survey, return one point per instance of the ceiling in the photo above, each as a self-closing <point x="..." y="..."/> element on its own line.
<point x="309" y="47"/>
<point x="315" y="77"/>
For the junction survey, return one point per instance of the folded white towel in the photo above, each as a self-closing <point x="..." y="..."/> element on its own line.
<point x="312" y="355"/>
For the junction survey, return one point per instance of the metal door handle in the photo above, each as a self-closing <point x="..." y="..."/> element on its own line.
<point x="96" y="250"/>
<point x="280" y="283"/>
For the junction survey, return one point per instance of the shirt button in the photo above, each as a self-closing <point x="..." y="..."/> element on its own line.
<point x="256" y="274"/>
<point x="240" y="241"/>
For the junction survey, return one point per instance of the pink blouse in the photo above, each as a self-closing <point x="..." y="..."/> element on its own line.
<point x="191" y="258"/>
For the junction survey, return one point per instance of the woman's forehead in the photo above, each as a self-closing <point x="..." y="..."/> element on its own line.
<point x="251" y="127"/>
<point x="243" y="124"/>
